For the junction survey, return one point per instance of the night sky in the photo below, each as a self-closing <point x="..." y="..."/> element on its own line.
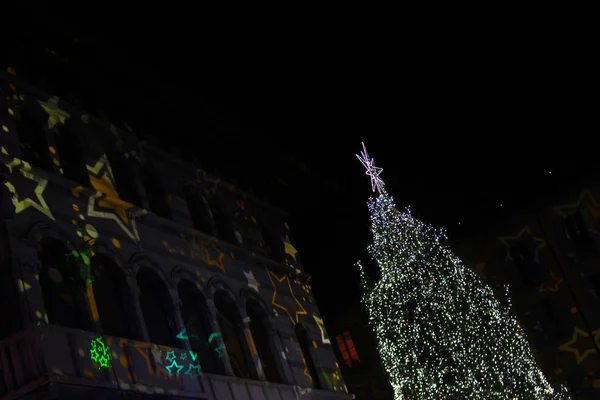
<point x="461" y="122"/>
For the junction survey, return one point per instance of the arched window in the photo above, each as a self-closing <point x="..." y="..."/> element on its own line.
<point x="157" y="307"/>
<point x="113" y="298"/>
<point x="195" y="312"/>
<point x="62" y="285"/>
<point x="304" y="342"/>
<point x="260" y="334"/>
<point x="229" y="318"/>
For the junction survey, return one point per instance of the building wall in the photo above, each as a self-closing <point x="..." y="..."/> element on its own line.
<point x="113" y="236"/>
<point x="550" y="258"/>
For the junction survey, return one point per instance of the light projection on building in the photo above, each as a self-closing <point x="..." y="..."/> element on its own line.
<point x="175" y="368"/>
<point x="100" y="353"/>
<point x="85" y="269"/>
<point x="184" y="335"/>
<point x="219" y="349"/>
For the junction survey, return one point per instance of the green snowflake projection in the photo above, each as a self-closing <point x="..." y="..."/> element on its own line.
<point x="100" y="353"/>
<point x="85" y="269"/>
<point x="175" y="368"/>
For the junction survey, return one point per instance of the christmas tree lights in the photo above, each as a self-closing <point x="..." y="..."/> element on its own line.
<point x="441" y="332"/>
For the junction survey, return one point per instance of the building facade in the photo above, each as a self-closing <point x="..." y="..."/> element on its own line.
<point x="128" y="273"/>
<point x="550" y="258"/>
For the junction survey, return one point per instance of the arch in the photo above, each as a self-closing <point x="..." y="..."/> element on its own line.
<point x="196" y="320"/>
<point x="113" y="297"/>
<point x="41" y="230"/>
<point x="101" y="247"/>
<point x="304" y="342"/>
<point x="215" y="285"/>
<point x="247" y="294"/>
<point x="140" y="260"/>
<point x="183" y="272"/>
<point x="60" y="281"/>
<point x="157" y="305"/>
<point x="229" y="318"/>
<point x="261" y="330"/>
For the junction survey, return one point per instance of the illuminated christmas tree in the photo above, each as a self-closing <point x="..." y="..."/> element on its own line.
<point x="441" y="333"/>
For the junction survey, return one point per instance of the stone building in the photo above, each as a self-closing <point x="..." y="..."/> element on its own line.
<point x="549" y="256"/>
<point x="128" y="273"/>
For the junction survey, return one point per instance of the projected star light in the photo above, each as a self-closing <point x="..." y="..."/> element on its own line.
<point x="372" y="170"/>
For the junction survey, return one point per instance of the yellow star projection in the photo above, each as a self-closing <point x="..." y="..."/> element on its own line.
<point x="289" y="247"/>
<point x="22" y="203"/>
<point x="55" y="114"/>
<point x="274" y="278"/>
<point x="101" y="178"/>
<point x="579" y="356"/>
<point x="585" y="198"/>
<point x="526" y="231"/>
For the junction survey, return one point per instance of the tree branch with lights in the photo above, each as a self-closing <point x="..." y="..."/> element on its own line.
<point x="440" y="331"/>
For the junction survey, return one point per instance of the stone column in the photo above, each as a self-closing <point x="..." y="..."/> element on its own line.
<point x="279" y="355"/>
<point x="217" y="340"/>
<point x="138" y="318"/>
<point x="178" y="317"/>
<point x="249" y="348"/>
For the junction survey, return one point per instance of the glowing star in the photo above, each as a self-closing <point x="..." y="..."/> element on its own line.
<point x="22" y="204"/>
<point x="252" y="282"/>
<point x="55" y="114"/>
<point x="193" y="370"/>
<point x="100" y="353"/>
<point x="585" y="198"/>
<point x="324" y="336"/>
<point x="524" y="233"/>
<point x="551" y="286"/>
<point x="578" y="354"/>
<point x="174" y="365"/>
<point x="171" y="356"/>
<point x="372" y="170"/>
<point x="289" y="247"/>
<point x="106" y="197"/>
<point x="274" y="278"/>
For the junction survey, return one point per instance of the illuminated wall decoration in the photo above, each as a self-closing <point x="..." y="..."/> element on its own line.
<point x="100" y="353"/>
<point x="551" y="284"/>
<point x="85" y="269"/>
<point x="55" y="114"/>
<point x="508" y="241"/>
<point x="289" y="247"/>
<point x="571" y="346"/>
<point x="585" y="198"/>
<point x="279" y="282"/>
<point x="252" y="282"/>
<point x="199" y="249"/>
<point x="183" y="335"/>
<point x="36" y="199"/>
<point x="321" y="325"/>
<point x="107" y="198"/>
<point x="218" y="348"/>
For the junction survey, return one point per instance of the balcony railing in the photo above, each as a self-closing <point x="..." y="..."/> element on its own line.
<point x="64" y="357"/>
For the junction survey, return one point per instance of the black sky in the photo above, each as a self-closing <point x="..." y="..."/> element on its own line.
<point x="462" y="120"/>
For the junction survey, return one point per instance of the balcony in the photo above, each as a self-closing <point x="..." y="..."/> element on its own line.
<point x="61" y="361"/>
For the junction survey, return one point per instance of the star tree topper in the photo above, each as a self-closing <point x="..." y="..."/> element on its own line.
<point x="372" y="170"/>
